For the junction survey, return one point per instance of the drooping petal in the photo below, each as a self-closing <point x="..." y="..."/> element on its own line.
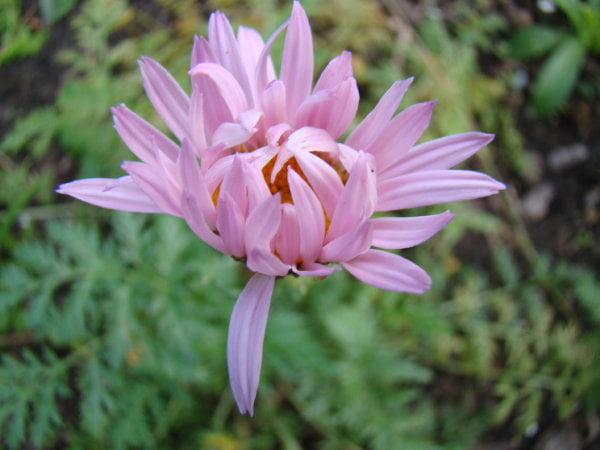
<point x="357" y="200"/>
<point x="336" y="71"/>
<point x="372" y="125"/>
<point x="388" y="271"/>
<point x="405" y="232"/>
<point x="156" y="185"/>
<point x="122" y="194"/>
<point x="297" y="60"/>
<point x="315" y="270"/>
<point x="348" y="245"/>
<point x="442" y="153"/>
<point x="431" y="187"/>
<point x="245" y="340"/>
<point x="311" y="221"/>
<point x="141" y="137"/>
<point x="400" y="134"/>
<point x="167" y="97"/>
<point x="196" y="220"/>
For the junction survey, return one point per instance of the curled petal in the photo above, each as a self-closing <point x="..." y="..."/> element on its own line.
<point x="388" y="271"/>
<point x="167" y="97"/>
<point x="442" y="153"/>
<point x="431" y="187"/>
<point x="114" y="193"/>
<point x="245" y="340"/>
<point x="372" y="125"/>
<point x="405" y="232"/>
<point x="297" y="59"/>
<point x="141" y="137"/>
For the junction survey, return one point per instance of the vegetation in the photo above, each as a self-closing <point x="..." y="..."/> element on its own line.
<point x="113" y="325"/>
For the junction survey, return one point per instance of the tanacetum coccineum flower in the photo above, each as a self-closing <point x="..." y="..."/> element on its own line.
<point x="258" y="172"/>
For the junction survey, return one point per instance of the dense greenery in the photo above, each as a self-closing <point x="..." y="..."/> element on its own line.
<point x="113" y="325"/>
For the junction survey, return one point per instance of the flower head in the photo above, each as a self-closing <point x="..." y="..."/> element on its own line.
<point x="259" y="173"/>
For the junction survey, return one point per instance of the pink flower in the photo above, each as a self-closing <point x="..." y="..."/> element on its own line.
<point x="259" y="173"/>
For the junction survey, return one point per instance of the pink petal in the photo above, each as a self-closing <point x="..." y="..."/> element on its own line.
<point x="196" y="220"/>
<point x="348" y="245"/>
<point x="333" y="112"/>
<point x="405" y="232"/>
<point x="142" y="138"/>
<point x="338" y="70"/>
<point x="156" y="185"/>
<point x="265" y="262"/>
<point x="323" y="179"/>
<point x="234" y="185"/>
<point x="225" y="47"/>
<point x="201" y="52"/>
<point x="193" y="182"/>
<point x="372" y="125"/>
<point x="432" y="187"/>
<point x="311" y="222"/>
<point x="442" y="153"/>
<point x="297" y="59"/>
<point x="169" y="100"/>
<point x="251" y="46"/>
<point x="224" y="99"/>
<point x="274" y="103"/>
<point x="311" y="139"/>
<point x="257" y="188"/>
<point x="400" y="134"/>
<point x="356" y="202"/>
<point x="287" y="240"/>
<point x="231" y="225"/>
<point x="389" y="271"/>
<point x="114" y="193"/>
<point x="196" y="128"/>
<point x="245" y="340"/>
<point x="264" y="66"/>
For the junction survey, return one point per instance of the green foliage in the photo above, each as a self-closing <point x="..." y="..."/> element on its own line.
<point x="567" y="51"/>
<point x="18" y="39"/>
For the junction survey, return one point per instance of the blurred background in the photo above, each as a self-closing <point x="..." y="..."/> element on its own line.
<point x="113" y="325"/>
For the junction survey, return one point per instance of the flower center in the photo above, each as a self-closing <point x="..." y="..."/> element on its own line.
<point x="280" y="182"/>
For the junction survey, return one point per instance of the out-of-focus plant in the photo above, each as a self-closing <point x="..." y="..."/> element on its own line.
<point x="18" y="37"/>
<point x="566" y="50"/>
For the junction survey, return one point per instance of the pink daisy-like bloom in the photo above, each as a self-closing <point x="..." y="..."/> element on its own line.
<point x="259" y="173"/>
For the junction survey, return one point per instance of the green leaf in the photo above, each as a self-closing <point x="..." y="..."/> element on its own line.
<point x="534" y="41"/>
<point x="53" y="10"/>
<point x="558" y="76"/>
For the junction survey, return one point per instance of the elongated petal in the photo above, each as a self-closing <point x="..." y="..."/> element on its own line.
<point x="432" y="187"/>
<point x="400" y="134"/>
<point x="356" y="202"/>
<point x="196" y="128"/>
<point x="201" y="52"/>
<point x="225" y="48"/>
<point x="442" y="153"/>
<point x="297" y="59"/>
<point x="311" y="139"/>
<point x="389" y="271"/>
<point x="264" y="73"/>
<point x="196" y="220"/>
<point x="231" y="225"/>
<point x="113" y="193"/>
<point x="169" y="100"/>
<point x="251" y="46"/>
<point x="193" y="182"/>
<point x="274" y="103"/>
<point x="315" y="270"/>
<point x="405" y="232"/>
<point x="287" y="241"/>
<point x="141" y="137"/>
<point x="336" y="71"/>
<point x="372" y="125"/>
<point x="311" y="221"/>
<point x="263" y="223"/>
<point x="245" y="340"/>
<point x="156" y="186"/>
<point x="348" y="245"/>
<point x="234" y="185"/>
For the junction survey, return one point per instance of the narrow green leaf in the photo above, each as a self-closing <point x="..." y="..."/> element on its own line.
<point x="534" y="41"/>
<point x="558" y="76"/>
